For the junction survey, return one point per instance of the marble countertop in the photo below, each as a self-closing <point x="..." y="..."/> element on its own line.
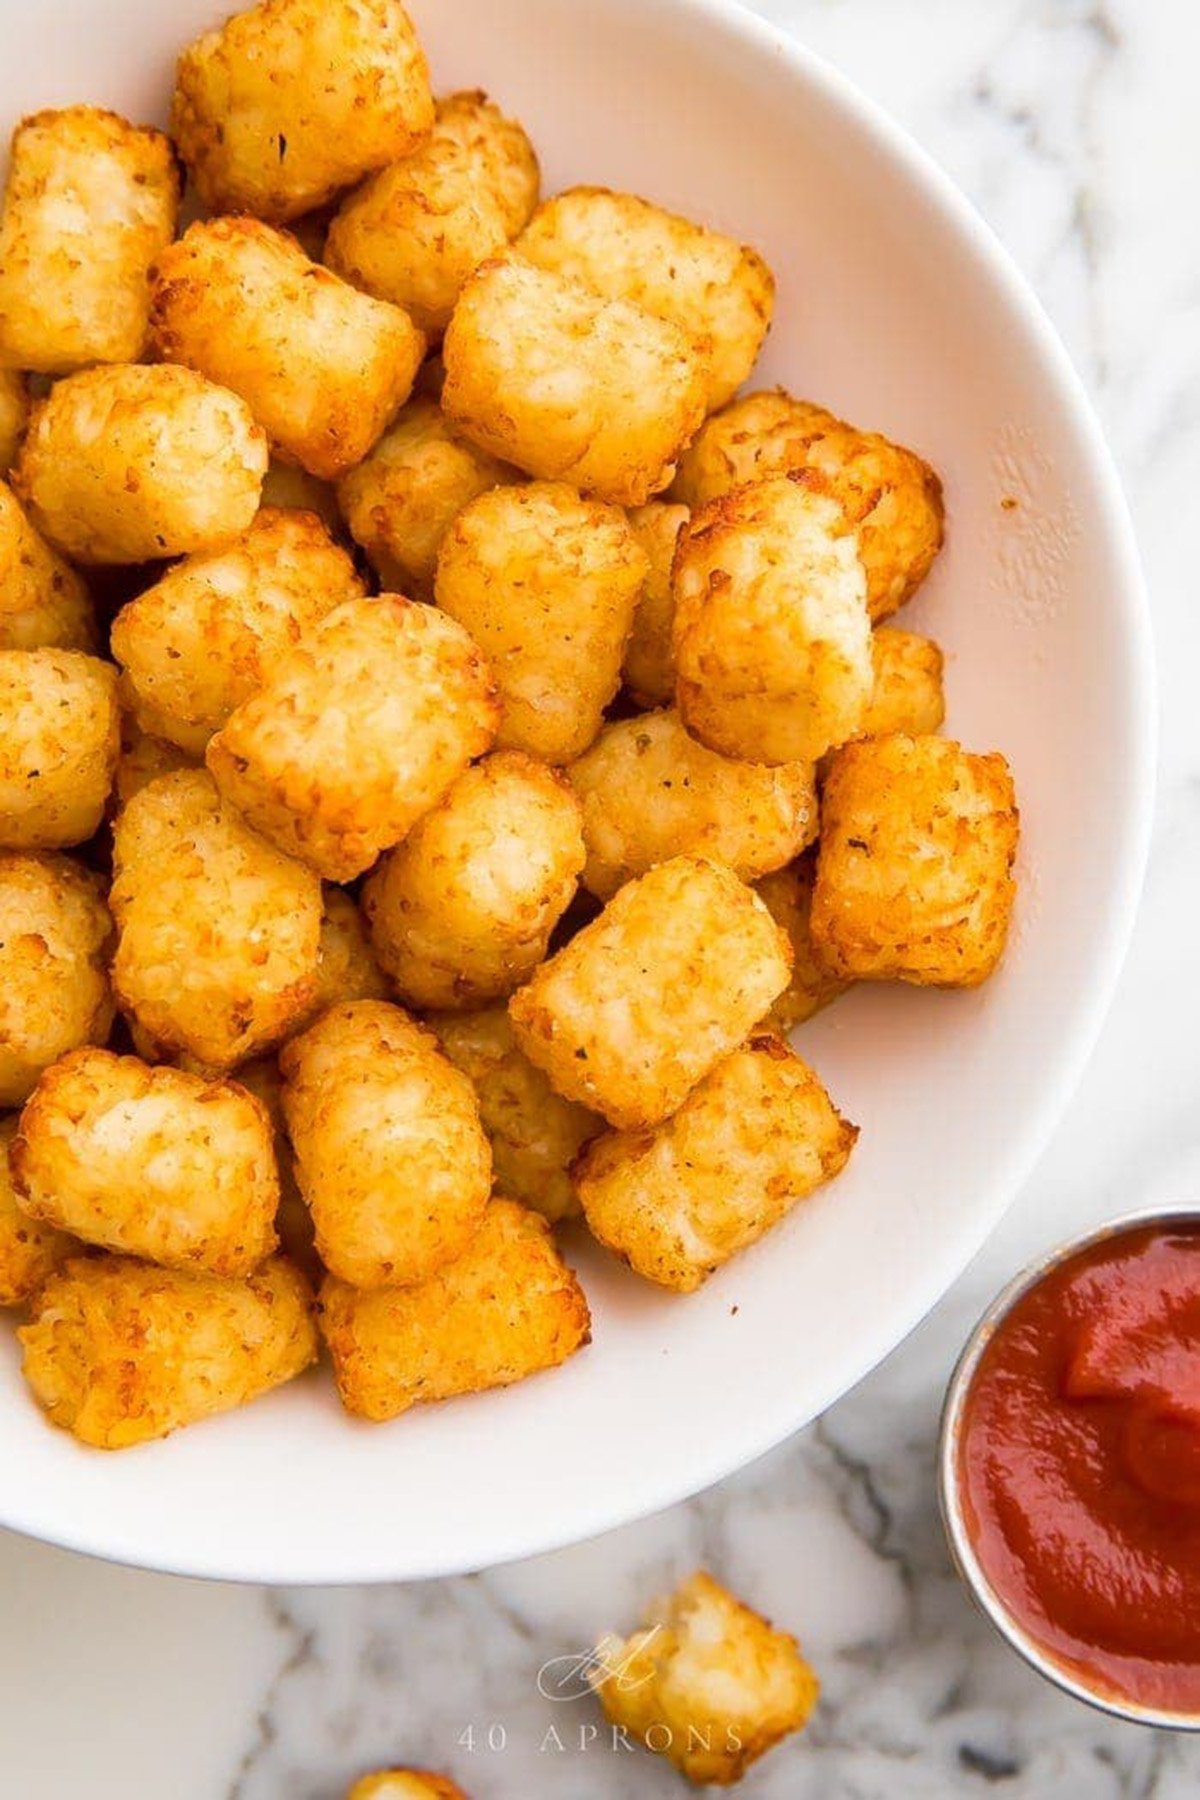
<point x="1073" y="125"/>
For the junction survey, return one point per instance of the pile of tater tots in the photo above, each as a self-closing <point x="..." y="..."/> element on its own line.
<point x="447" y="739"/>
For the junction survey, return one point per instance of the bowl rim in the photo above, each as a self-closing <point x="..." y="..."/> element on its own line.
<point x="731" y="21"/>
<point x="949" y="1485"/>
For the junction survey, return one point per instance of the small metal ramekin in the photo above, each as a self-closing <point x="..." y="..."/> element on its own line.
<point x="950" y="1490"/>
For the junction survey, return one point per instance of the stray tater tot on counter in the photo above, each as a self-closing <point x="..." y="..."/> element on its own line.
<point x="506" y="1308"/>
<point x="772" y="635"/>
<point x="90" y="202"/>
<point x="914" y="873"/>
<point x="321" y="366"/>
<point x="29" y="1252"/>
<point x="461" y="912"/>
<point x="758" y="1134"/>
<point x="907" y="693"/>
<point x="548" y="374"/>
<point x="43" y="602"/>
<point x="292" y="100"/>
<point x="60" y="736"/>
<point x="546" y="582"/>
<point x="207" y="636"/>
<point x="414" y="232"/>
<point x="357" y="732"/>
<point x="14" y="414"/>
<point x="535" y="1134"/>
<point x="56" y="937"/>
<point x="402" y="499"/>
<point x="390" y="1154"/>
<point x="787" y="895"/>
<point x="706" y="1682"/>
<point x="142" y="760"/>
<point x="154" y="1162"/>
<point x="649" y="791"/>
<point x="119" y="1351"/>
<point x="217" y="954"/>
<point x="129" y="463"/>
<point x="890" y="497"/>
<point x="716" y="290"/>
<point x="649" y="666"/>
<point x="405" y="1784"/>
<point x="642" y="1003"/>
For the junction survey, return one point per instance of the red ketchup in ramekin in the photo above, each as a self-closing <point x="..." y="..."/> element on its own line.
<point x="1078" y="1453"/>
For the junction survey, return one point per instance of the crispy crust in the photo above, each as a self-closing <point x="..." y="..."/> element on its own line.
<point x="914" y="876"/>
<point x="56" y="937"/>
<point x="507" y="1308"/>
<point x="462" y="911"/>
<point x="642" y="1003"/>
<point x="293" y="100"/>
<point x="649" y="666"/>
<point x="321" y="366"/>
<point x="547" y="374"/>
<point x="43" y="602"/>
<point x="119" y="1351"/>
<point x="891" y="499"/>
<point x="60" y="737"/>
<point x="390" y="1154"/>
<point x="29" y="1252"/>
<point x="709" y="1684"/>
<point x="758" y="1134"/>
<point x="90" y="202"/>
<point x="787" y="895"/>
<point x="151" y="1161"/>
<point x="359" y="730"/>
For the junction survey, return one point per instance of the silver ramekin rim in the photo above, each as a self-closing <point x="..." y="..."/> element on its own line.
<point x="949" y="1486"/>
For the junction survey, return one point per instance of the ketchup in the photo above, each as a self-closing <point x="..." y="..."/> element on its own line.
<point x="1079" y="1465"/>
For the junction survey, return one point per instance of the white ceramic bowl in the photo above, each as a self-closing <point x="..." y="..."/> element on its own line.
<point x="897" y="308"/>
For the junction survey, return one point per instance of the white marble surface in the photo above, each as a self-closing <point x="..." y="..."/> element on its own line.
<point x="1075" y="128"/>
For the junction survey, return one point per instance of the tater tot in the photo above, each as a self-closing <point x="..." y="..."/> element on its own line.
<point x="56" y="937"/>
<point x="14" y="414"/>
<point x="715" y="289"/>
<point x="535" y="1134"/>
<point x="218" y="931"/>
<point x="890" y="497"/>
<point x="506" y="1308"/>
<point x="390" y="1154"/>
<point x="293" y="1221"/>
<point x="414" y="232"/>
<point x="787" y="896"/>
<point x="772" y="636"/>
<point x="207" y="636"/>
<point x="295" y="489"/>
<point x="152" y="1161"/>
<point x="29" y="1252"/>
<point x="707" y="1683"/>
<point x="43" y="602"/>
<point x="293" y="99"/>
<point x="321" y="366"/>
<point x="571" y="387"/>
<point x="346" y="965"/>
<point x="119" y="1351"/>
<point x="129" y="463"/>
<point x="461" y="912"/>
<point x="90" y="202"/>
<point x="60" y="736"/>
<point x="758" y="1134"/>
<point x="906" y="694"/>
<point x="914" y="874"/>
<point x="649" y="792"/>
<point x="401" y="500"/>
<point x="405" y="1784"/>
<point x="142" y="760"/>
<point x="357" y="732"/>
<point x="546" y="583"/>
<point x="649" y="666"/>
<point x="642" y="1003"/>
